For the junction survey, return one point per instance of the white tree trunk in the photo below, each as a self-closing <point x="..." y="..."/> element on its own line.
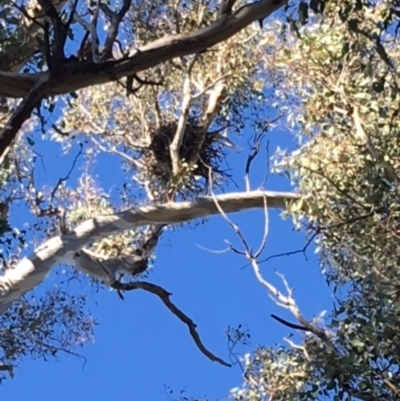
<point x="32" y="270"/>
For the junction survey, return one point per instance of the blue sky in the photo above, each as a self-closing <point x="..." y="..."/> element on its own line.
<point x="141" y="347"/>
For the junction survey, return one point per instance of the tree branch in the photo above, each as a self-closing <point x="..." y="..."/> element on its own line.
<point x="81" y="75"/>
<point x="175" y="146"/>
<point x="32" y="270"/>
<point x="115" y="20"/>
<point x="21" y="114"/>
<point x="288" y="324"/>
<point x="165" y="298"/>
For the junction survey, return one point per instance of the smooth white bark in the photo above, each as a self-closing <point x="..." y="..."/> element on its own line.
<point x="32" y="270"/>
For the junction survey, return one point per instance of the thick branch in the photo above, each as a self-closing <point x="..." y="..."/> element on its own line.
<point x="80" y="75"/>
<point x="32" y="270"/>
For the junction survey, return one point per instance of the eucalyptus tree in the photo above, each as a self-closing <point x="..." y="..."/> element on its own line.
<point x="337" y="82"/>
<point x="165" y="89"/>
<point x="161" y="89"/>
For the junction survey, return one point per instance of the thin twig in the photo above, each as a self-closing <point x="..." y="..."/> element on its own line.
<point x="64" y="179"/>
<point x="290" y="253"/>
<point x="214" y="251"/>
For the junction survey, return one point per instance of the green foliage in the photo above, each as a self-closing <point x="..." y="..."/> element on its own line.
<point x="342" y="97"/>
<point x="44" y="327"/>
<point x="330" y="71"/>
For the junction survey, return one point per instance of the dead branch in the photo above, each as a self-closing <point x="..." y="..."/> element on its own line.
<point x="255" y="150"/>
<point x="165" y="298"/>
<point x="291" y="253"/>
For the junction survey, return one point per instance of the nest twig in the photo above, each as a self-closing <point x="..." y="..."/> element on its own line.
<point x="211" y="155"/>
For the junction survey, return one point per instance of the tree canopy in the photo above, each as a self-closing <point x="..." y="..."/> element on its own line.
<point x="168" y="87"/>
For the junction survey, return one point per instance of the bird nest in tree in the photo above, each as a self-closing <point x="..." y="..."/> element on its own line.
<point x="196" y="178"/>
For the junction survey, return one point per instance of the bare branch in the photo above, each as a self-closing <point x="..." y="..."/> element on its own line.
<point x="165" y="298"/>
<point x="214" y="102"/>
<point x="266" y="231"/>
<point x="93" y="33"/>
<point x="60" y="34"/>
<point x="302" y="348"/>
<point x="285" y="301"/>
<point x="290" y="253"/>
<point x="226" y="7"/>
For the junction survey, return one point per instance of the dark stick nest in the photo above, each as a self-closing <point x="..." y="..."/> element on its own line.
<point x="211" y="156"/>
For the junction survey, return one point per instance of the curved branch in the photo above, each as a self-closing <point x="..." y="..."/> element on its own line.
<point x="32" y="270"/>
<point x="165" y="298"/>
<point x="77" y="75"/>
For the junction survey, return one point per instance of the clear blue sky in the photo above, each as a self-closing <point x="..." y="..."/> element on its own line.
<point x="140" y="346"/>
